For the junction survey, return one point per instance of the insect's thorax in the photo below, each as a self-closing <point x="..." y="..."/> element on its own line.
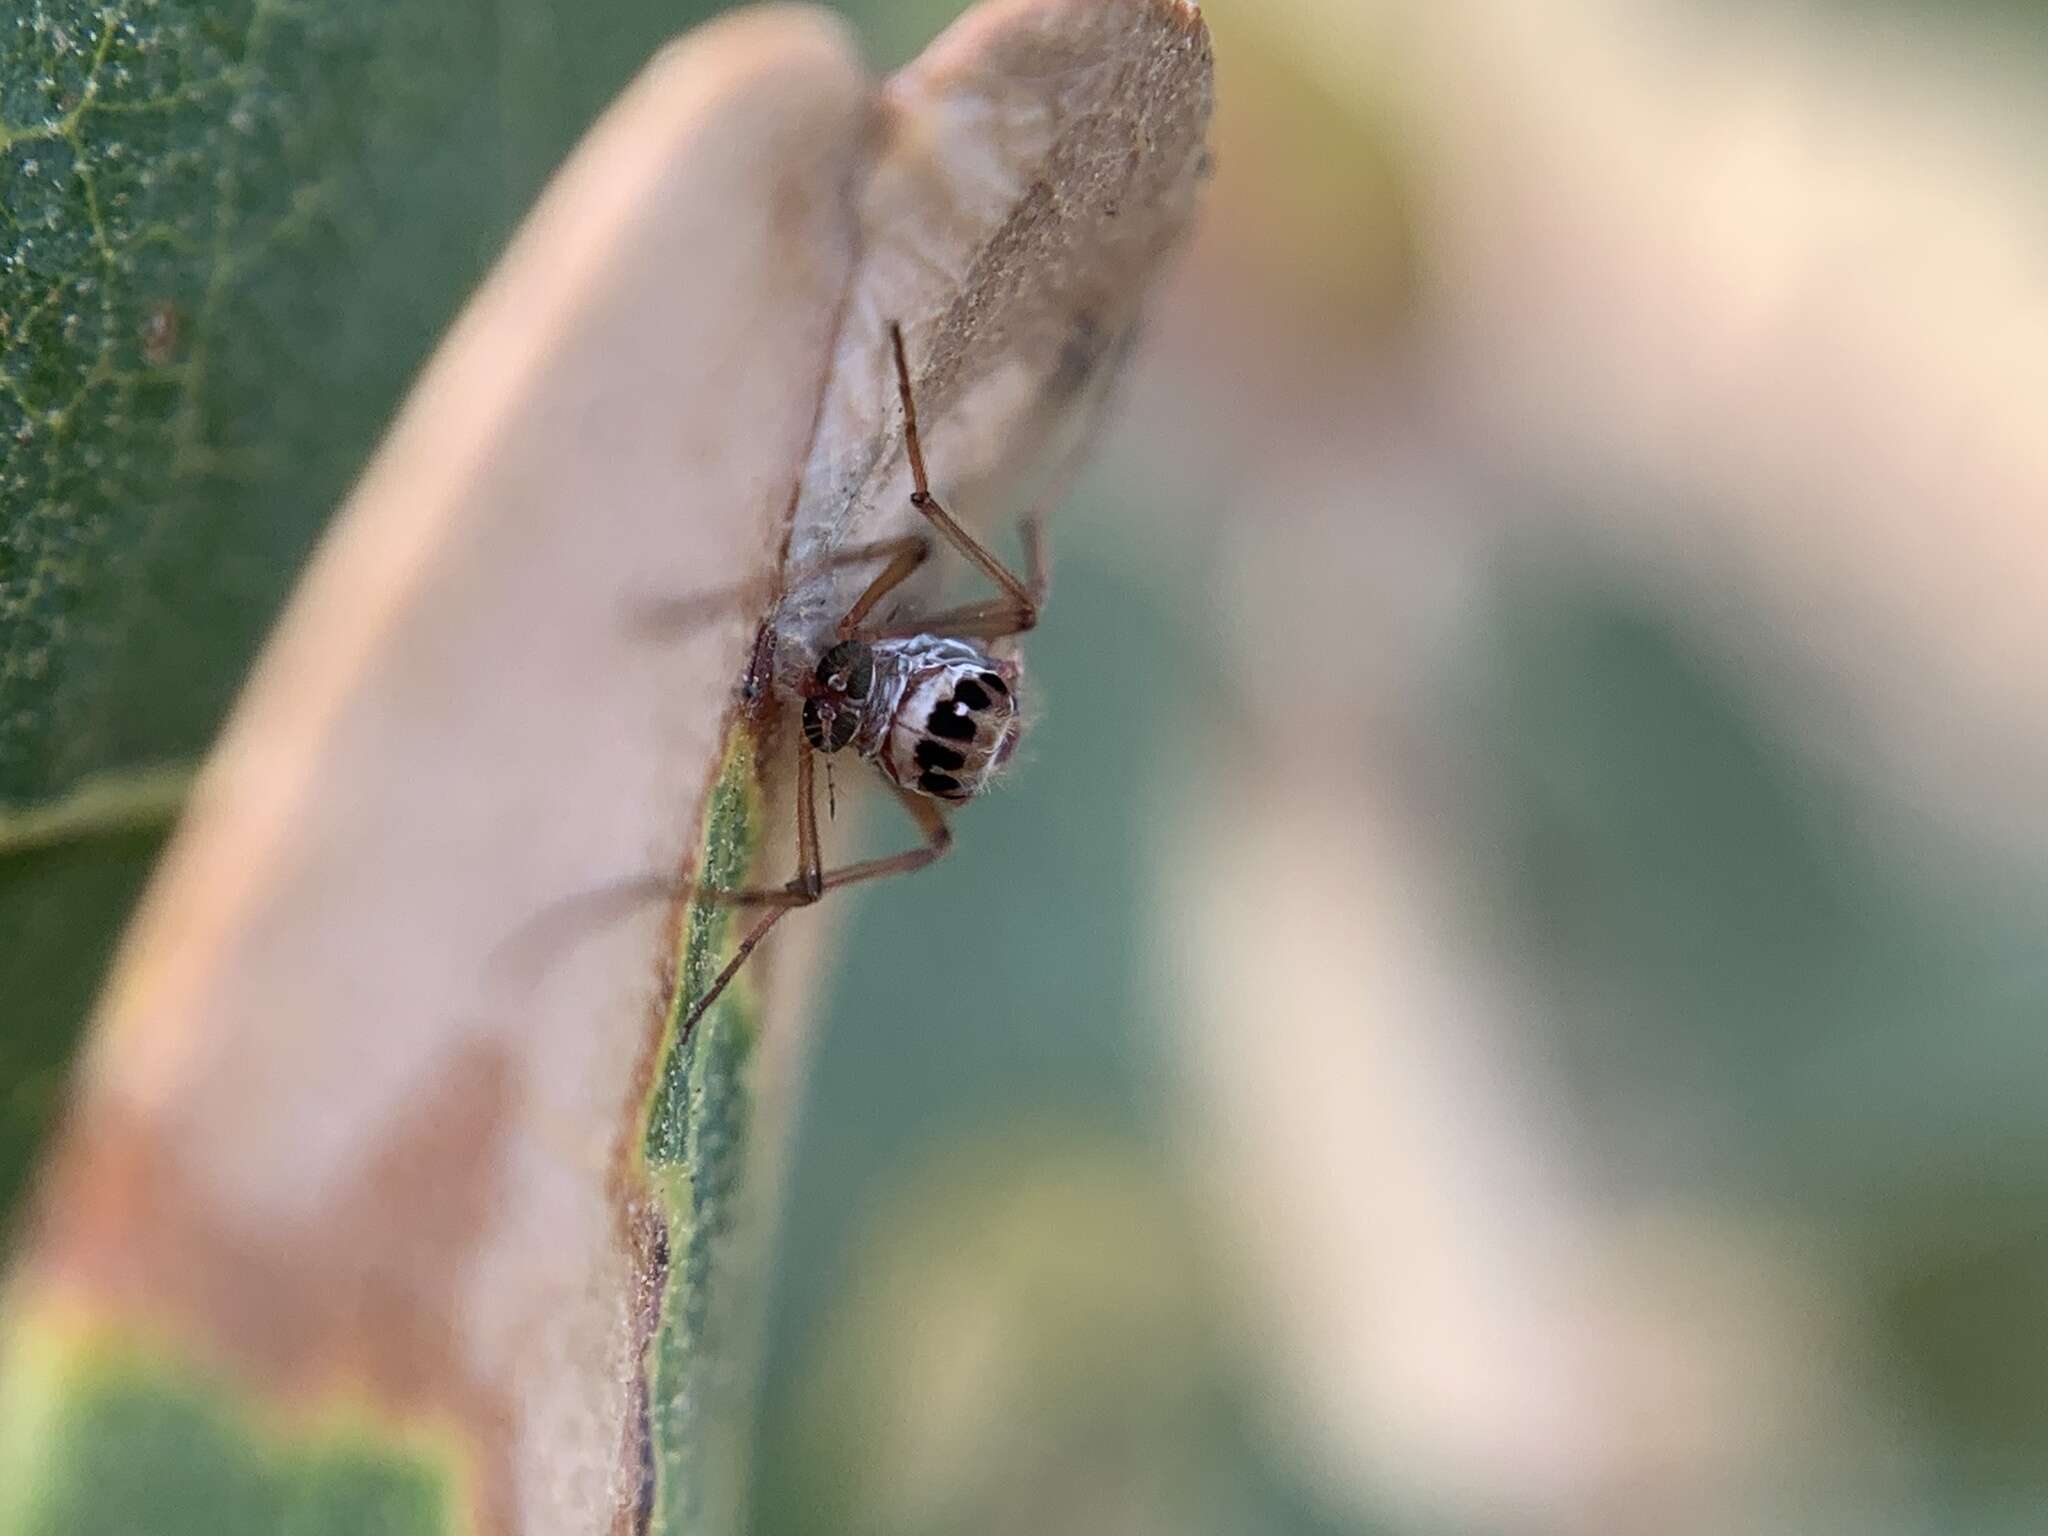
<point x="942" y="717"/>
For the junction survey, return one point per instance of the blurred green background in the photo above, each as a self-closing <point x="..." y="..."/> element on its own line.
<point x="1506" y="993"/>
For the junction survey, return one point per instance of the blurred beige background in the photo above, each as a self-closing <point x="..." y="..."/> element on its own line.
<point x="1531" y="875"/>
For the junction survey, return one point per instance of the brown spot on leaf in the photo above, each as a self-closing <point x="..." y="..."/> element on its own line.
<point x="364" y="1302"/>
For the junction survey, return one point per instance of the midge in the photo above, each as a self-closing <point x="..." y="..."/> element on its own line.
<point x="931" y="701"/>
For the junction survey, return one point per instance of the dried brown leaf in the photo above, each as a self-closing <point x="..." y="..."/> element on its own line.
<point x="322" y="1141"/>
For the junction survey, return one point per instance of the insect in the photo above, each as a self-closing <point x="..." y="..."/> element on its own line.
<point x="932" y="702"/>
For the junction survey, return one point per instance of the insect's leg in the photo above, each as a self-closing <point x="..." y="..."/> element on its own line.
<point x="876" y="549"/>
<point x="724" y="978"/>
<point x="1031" y="531"/>
<point x="561" y="922"/>
<point x="993" y="618"/>
<point x="804" y="888"/>
<point x="908" y="554"/>
<point x="679" y="615"/>
<point x="931" y="823"/>
<point x="938" y="837"/>
<point x="812" y="881"/>
<point x="1023" y="600"/>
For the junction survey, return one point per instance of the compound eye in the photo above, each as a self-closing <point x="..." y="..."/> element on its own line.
<point x="826" y="729"/>
<point x="848" y="669"/>
<point x="860" y="676"/>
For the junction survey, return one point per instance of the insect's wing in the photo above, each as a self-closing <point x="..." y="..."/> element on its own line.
<point x="1039" y="163"/>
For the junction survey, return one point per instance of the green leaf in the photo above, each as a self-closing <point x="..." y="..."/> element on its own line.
<point x="102" y="1430"/>
<point x="229" y="234"/>
<point x="693" y="1152"/>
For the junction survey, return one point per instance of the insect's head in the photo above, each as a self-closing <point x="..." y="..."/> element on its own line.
<point x="837" y="695"/>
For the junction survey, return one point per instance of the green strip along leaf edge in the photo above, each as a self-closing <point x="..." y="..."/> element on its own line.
<point x="693" y="1150"/>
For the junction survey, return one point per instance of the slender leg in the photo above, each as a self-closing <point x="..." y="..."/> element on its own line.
<point x="574" y="915"/>
<point x="803" y="888"/>
<point x="1031" y="529"/>
<point x="724" y="978"/>
<point x="812" y="880"/>
<point x="894" y="550"/>
<point x="811" y="883"/>
<point x="913" y="552"/>
<point x="561" y="923"/>
<point x="931" y="823"/>
<point x="668" y="616"/>
<point x="993" y="618"/>
<point x="1022" y="597"/>
<point x="808" y="883"/>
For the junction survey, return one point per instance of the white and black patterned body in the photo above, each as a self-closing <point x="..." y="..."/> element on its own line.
<point x="938" y="716"/>
<point x="931" y="701"/>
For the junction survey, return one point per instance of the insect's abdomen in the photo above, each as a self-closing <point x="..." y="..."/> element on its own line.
<point x="957" y="722"/>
